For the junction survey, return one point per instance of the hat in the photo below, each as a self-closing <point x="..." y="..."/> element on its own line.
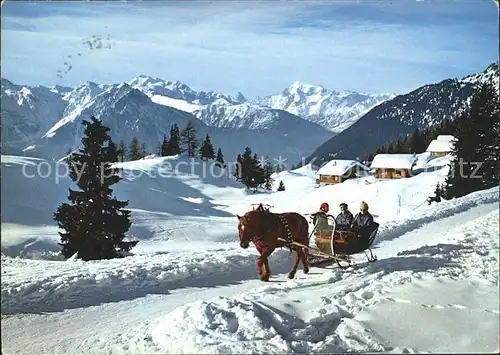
<point x="363" y="206"/>
<point x="324" y="207"/>
<point x="343" y="204"/>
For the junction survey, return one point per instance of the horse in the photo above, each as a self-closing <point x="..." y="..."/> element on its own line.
<point x="263" y="228"/>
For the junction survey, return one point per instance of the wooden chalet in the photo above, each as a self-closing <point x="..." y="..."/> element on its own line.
<point x="440" y="146"/>
<point x="393" y="166"/>
<point x="337" y="171"/>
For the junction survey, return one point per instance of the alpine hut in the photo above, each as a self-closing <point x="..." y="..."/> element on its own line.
<point x="393" y="166"/>
<point x="337" y="171"/>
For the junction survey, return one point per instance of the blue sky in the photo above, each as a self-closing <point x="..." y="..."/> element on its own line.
<point x="256" y="47"/>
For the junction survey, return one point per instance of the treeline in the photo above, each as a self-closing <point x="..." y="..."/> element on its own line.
<point x="418" y="141"/>
<point x="475" y="163"/>
<point x="178" y="142"/>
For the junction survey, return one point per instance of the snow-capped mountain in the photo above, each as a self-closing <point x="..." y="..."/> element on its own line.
<point x="419" y="108"/>
<point x="214" y="109"/>
<point x="47" y="120"/>
<point x="334" y="110"/>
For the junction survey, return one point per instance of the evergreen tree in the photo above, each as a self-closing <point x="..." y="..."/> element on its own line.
<point x="134" y="150"/>
<point x="174" y="143"/>
<point x="220" y="158"/>
<point x="165" y="147"/>
<point x="144" y="151"/>
<point x="438" y="194"/>
<point x="267" y="172"/>
<point x="281" y="187"/>
<point x="189" y="140"/>
<point x="485" y="118"/>
<point x="95" y="223"/>
<point x="67" y="159"/>
<point x="113" y="149"/>
<point x="207" y="149"/>
<point x="255" y="174"/>
<point x="122" y="150"/>
<point x="475" y="154"/>
<point x="238" y="170"/>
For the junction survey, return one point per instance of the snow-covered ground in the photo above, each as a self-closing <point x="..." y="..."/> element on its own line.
<point x="190" y="288"/>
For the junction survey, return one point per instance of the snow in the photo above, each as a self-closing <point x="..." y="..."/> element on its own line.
<point x="440" y="146"/>
<point x="175" y="103"/>
<point x="448" y="138"/>
<point x="187" y="287"/>
<point x="394" y="161"/>
<point x="340" y="167"/>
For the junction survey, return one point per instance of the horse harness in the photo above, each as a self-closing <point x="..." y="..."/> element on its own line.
<point x="289" y="237"/>
<point x="284" y="223"/>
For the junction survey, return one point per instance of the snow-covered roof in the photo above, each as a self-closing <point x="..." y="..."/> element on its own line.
<point x="440" y="146"/>
<point x="394" y="161"/>
<point x="448" y="138"/>
<point x="340" y="167"/>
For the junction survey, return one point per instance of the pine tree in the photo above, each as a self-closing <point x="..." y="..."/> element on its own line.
<point x="438" y="195"/>
<point x="134" y="150"/>
<point x="268" y="170"/>
<point x="484" y="114"/>
<point x="207" y="149"/>
<point x="255" y="174"/>
<point x="474" y="165"/>
<point x="174" y="143"/>
<point x="114" y="149"/>
<point x="158" y="149"/>
<point x="220" y="158"/>
<point x="67" y="158"/>
<point x="95" y="223"/>
<point x="165" y="147"/>
<point x="238" y="169"/>
<point x="144" y="151"/>
<point x="281" y="187"/>
<point x="122" y="150"/>
<point x="188" y="138"/>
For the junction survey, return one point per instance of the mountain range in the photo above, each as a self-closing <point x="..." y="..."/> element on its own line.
<point x="399" y="116"/>
<point x="301" y="121"/>
<point x="46" y="121"/>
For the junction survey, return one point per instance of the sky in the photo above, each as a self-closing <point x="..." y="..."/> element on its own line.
<point x="255" y="47"/>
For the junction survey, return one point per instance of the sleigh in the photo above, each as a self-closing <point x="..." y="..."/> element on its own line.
<point x="339" y="243"/>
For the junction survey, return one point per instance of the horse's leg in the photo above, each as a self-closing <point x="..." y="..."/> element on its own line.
<point x="305" y="260"/>
<point x="298" y="256"/>
<point x="267" y="270"/>
<point x="260" y="263"/>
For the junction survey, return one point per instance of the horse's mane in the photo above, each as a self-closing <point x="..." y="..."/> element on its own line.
<point x="267" y="218"/>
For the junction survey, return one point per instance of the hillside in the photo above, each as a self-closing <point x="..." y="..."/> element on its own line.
<point x="188" y="276"/>
<point x="419" y="108"/>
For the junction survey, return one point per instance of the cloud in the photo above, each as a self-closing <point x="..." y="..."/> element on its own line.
<point x="257" y="48"/>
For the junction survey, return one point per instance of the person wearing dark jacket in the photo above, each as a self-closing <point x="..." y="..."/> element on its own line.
<point x="363" y="219"/>
<point x="344" y="218"/>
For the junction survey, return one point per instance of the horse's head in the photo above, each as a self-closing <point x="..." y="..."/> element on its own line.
<point x="249" y="227"/>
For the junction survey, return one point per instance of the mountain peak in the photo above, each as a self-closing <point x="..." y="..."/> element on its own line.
<point x="297" y="86"/>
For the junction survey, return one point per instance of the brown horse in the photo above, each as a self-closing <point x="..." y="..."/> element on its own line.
<point x="263" y="228"/>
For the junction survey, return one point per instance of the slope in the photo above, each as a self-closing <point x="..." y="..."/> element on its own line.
<point x="429" y="273"/>
<point x="401" y="115"/>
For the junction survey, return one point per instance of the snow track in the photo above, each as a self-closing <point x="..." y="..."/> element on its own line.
<point x="328" y="310"/>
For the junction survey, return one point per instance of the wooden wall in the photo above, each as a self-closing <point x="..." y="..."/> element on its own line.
<point x="392" y="173"/>
<point x="438" y="154"/>
<point x="334" y="179"/>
